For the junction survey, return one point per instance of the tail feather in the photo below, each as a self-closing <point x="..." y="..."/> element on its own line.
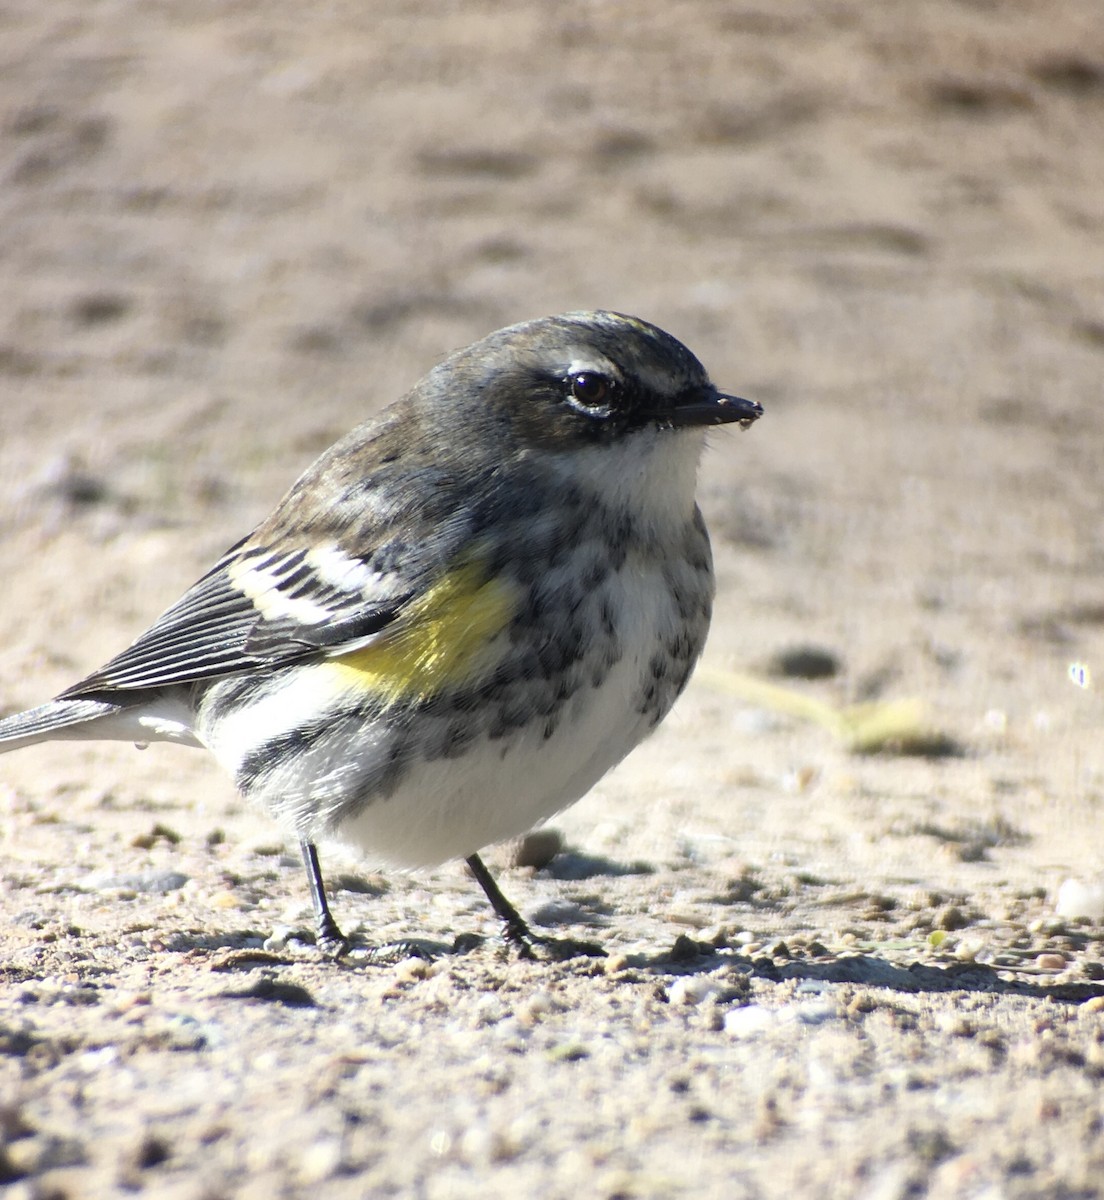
<point x="164" y="716"/>
<point x="57" y="719"/>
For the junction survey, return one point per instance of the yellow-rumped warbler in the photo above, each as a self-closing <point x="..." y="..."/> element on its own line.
<point x="459" y="618"/>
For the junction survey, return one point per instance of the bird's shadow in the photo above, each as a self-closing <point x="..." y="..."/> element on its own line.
<point x="572" y="865"/>
<point x="868" y="970"/>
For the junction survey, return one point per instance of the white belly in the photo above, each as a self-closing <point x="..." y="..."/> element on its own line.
<point x="451" y="808"/>
<point x="499" y="789"/>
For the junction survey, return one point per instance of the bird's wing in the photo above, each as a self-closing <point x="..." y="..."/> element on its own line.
<point x="322" y="575"/>
<point x="252" y="610"/>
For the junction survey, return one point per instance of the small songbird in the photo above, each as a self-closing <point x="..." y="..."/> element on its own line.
<point x="459" y="618"/>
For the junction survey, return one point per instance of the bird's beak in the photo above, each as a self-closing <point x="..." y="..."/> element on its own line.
<point x="710" y="407"/>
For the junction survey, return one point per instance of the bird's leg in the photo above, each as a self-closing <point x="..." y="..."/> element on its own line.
<point x="514" y="926"/>
<point x="330" y="938"/>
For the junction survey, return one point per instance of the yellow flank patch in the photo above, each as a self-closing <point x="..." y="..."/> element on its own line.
<point x="441" y="639"/>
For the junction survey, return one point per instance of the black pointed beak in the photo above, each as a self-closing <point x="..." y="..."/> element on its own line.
<point x="707" y="406"/>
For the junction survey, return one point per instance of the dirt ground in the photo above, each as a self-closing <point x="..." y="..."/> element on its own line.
<point x="230" y="232"/>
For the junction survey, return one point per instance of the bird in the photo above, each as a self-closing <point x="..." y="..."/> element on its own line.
<point x="458" y="619"/>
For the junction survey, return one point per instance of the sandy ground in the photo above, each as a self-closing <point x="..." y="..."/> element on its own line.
<point x="228" y="233"/>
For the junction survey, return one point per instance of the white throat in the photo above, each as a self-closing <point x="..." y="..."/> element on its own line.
<point x="652" y="474"/>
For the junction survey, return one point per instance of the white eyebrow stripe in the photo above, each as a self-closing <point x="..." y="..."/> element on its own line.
<point x="592" y="366"/>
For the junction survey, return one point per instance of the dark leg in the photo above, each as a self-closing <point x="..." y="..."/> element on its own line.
<point x="330" y="938"/>
<point x="517" y="931"/>
<point x="515" y="928"/>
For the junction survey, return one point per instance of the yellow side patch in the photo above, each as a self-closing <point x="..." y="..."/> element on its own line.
<point x="442" y="639"/>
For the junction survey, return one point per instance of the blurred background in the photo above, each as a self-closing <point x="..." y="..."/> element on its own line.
<point x="230" y="232"/>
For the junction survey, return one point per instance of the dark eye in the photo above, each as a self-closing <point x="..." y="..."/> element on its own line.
<point x="590" y="389"/>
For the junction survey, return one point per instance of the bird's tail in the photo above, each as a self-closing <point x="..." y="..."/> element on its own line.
<point x="57" y="719"/>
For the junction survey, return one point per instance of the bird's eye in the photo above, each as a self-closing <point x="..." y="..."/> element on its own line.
<point x="590" y="389"/>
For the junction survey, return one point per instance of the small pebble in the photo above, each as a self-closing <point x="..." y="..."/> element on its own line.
<point x="749" y="1021"/>
<point x="1077" y="898"/>
<point x="567" y="1052"/>
<point x="691" y="920"/>
<point x="92" y="1062"/>
<point x="1050" y="962"/>
<point x="539" y="1004"/>
<point x="412" y="969"/>
<point x="968" y="949"/>
<point x="692" y="989"/>
<point x="685" y="949"/>
<point x="278" y="939"/>
<point x="126" y="1003"/>
<point x="951" y="917"/>
<point x="537" y="848"/>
